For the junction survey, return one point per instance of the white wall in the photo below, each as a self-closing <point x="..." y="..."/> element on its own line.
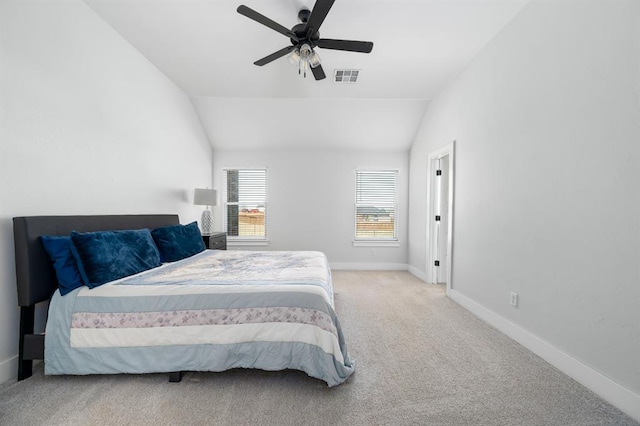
<point x="301" y="123"/>
<point x="547" y="199"/>
<point x="310" y="201"/>
<point x="88" y="126"/>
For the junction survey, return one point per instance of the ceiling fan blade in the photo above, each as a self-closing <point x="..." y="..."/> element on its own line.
<point x="252" y="14"/>
<point x="318" y="72"/>
<point x="275" y="55"/>
<point x="319" y="12"/>
<point x="349" y="45"/>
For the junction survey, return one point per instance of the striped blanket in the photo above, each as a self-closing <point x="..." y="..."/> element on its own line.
<point x="212" y="312"/>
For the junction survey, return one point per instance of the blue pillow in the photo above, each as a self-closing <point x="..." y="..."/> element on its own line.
<point x="109" y="255"/>
<point x="177" y="242"/>
<point x="59" y="251"/>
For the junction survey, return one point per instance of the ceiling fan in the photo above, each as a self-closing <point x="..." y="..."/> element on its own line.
<point x="305" y="38"/>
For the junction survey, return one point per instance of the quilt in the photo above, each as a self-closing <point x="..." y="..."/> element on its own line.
<point x="214" y="311"/>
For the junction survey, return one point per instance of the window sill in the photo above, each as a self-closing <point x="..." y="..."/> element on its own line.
<point x="376" y="243"/>
<point x="247" y="243"/>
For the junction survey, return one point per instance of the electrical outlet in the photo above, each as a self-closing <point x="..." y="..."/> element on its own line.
<point x="514" y="299"/>
<point x="373" y="252"/>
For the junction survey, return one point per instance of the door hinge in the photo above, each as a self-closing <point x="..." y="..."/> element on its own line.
<point x="438" y="172"/>
<point x="436" y="263"/>
<point x="437" y="218"/>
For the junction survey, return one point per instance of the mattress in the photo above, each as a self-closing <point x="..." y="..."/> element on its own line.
<point x="214" y="311"/>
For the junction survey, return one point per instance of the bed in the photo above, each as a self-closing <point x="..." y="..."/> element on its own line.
<point x="212" y="311"/>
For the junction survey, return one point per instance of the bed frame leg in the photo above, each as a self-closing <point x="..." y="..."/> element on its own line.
<point x="175" y="377"/>
<point x="27" y="317"/>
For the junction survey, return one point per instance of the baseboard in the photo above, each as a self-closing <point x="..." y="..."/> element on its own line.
<point x="614" y="393"/>
<point x="418" y="273"/>
<point x="9" y="369"/>
<point x="368" y="266"/>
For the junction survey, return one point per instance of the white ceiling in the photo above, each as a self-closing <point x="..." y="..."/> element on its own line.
<point x="208" y="50"/>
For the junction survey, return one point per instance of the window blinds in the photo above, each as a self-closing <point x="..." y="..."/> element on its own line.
<point x="376" y="204"/>
<point x="245" y="202"/>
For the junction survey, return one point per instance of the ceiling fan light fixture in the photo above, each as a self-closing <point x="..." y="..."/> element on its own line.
<point x="305" y="51"/>
<point x="294" y="57"/>
<point x="314" y="59"/>
<point x="305" y="58"/>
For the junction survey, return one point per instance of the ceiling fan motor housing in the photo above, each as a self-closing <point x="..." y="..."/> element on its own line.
<point x="305" y="35"/>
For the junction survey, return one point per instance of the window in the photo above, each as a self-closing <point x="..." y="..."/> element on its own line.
<point x="376" y="205"/>
<point x="245" y="206"/>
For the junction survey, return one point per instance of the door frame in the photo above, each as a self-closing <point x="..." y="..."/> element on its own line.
<point x="447" y="150"/>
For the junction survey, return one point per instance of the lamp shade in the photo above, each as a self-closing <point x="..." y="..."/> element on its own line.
<point x="205" y="197"/>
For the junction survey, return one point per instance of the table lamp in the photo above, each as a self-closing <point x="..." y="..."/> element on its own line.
<point x="206" y="197"/>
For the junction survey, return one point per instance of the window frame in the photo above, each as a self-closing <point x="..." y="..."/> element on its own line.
<point x="239" y="239"/>
<point x="373" y="240"/>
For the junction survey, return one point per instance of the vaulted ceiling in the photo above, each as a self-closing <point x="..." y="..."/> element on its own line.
<point x="207" y="49"/>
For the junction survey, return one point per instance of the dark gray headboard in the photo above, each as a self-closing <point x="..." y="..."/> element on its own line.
<point x="36" y="279"/>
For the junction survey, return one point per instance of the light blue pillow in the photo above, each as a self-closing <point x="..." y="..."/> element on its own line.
<point x="64" y="263"/>
<point x="176" y="242"/>
<point x="109" y="255"/>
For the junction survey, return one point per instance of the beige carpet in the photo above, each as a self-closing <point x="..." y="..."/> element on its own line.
<point x="421" y="360"/>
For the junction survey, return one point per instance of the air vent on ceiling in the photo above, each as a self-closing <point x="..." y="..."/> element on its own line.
<point x="346" y="76"/>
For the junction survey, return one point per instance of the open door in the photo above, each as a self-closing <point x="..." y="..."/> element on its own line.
<point x="440" y="216"/>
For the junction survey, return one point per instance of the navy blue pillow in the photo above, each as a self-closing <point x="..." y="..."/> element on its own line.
<point x="109" y="255"/>
<point x="59" y="251"/>
<point x="177" y="242"/>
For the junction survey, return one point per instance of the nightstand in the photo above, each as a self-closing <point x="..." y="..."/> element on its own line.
<point x="215" y="241"/>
